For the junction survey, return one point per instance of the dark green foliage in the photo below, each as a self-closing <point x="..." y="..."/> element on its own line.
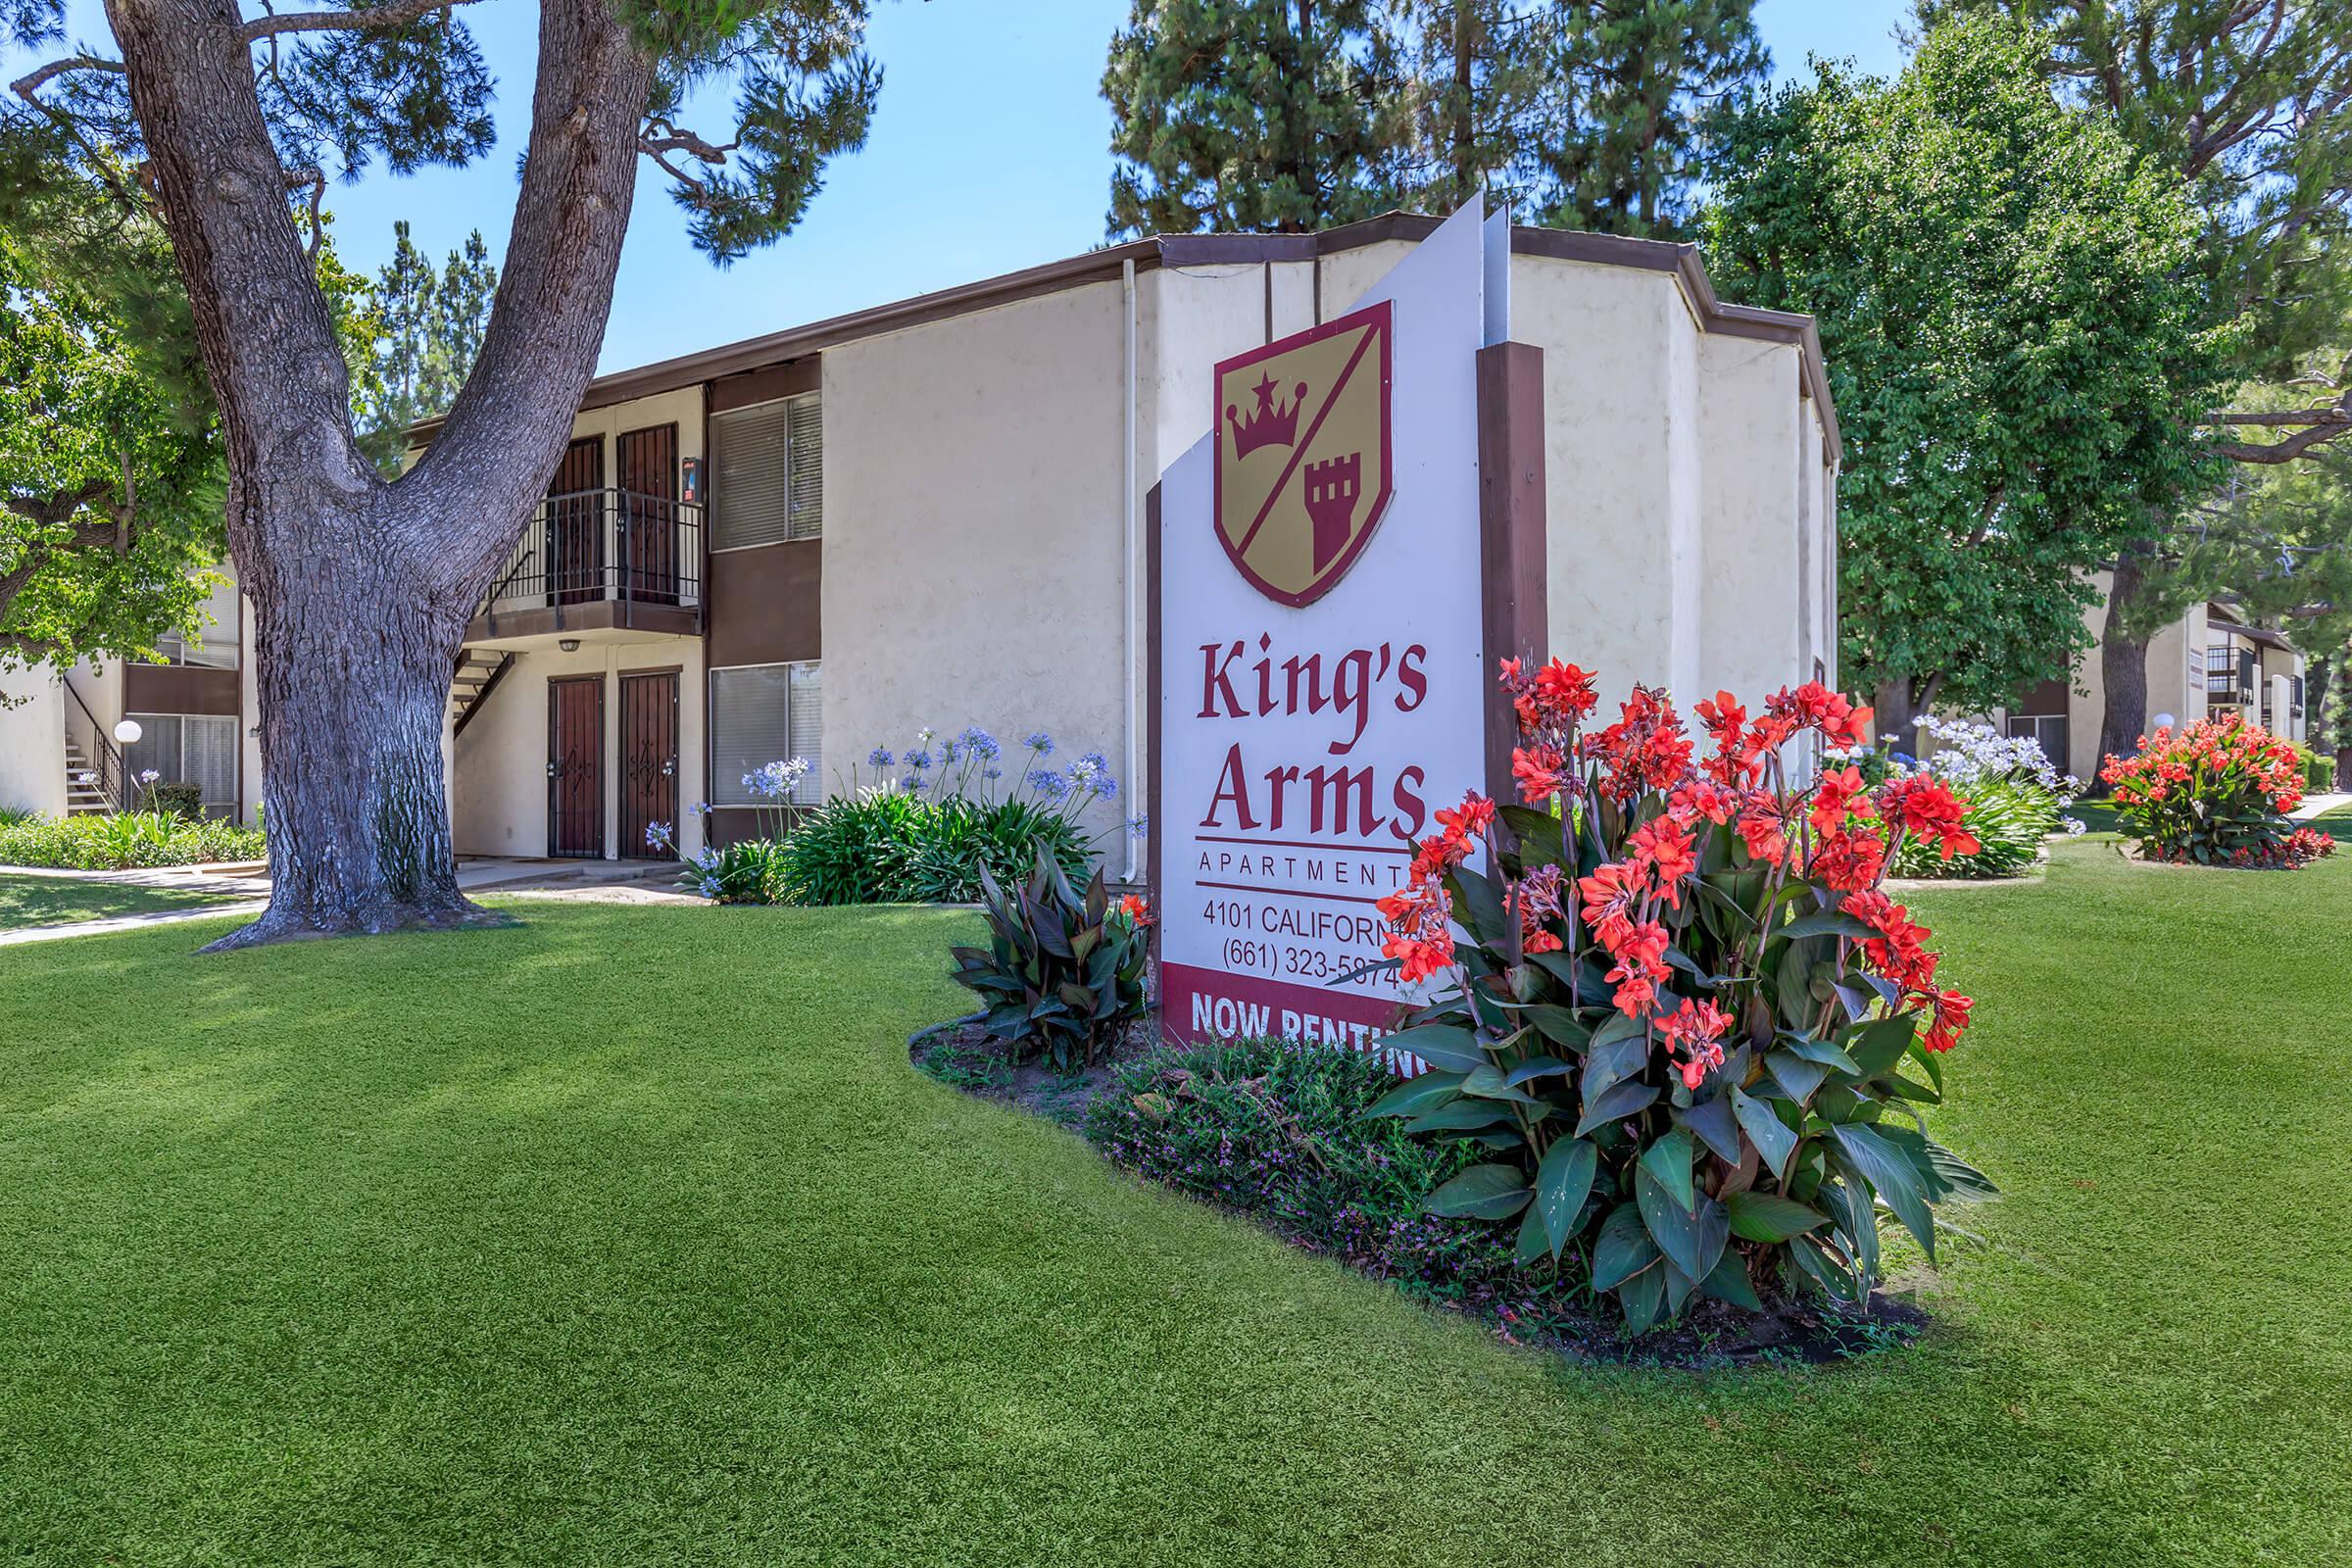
<point x="2007" y="303"/>
<point x="183" y="800"/>
<point x="747" y="871"/>
<point x="1285" y="1134"/>
<point x="125" y="840"/>
<point x="805" y="91"/>
<point x="1226" y="115"/>
<point x="429" y="330"/>
<point x="1582" y="115"/>
<point x="1285" y="116"/>
<point x="954" y="839"/>
<point x="1062" y="971"/>
<point x="855" y="849"/>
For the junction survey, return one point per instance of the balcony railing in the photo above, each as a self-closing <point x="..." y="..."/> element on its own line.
<point x="605" y="547"/>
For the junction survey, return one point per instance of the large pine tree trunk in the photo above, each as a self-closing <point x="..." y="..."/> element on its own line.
<point x="363" y="588"/>
<point x="2122" y="669"/>
<point x="352" y="670"/>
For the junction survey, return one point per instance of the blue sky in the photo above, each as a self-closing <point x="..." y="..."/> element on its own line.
<point x="988" y="154"/>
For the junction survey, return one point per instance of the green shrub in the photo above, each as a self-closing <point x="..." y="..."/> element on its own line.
<point x="747" y="871"/>
<point x="2010" y="818"/>
<point x="855" y="849"/>
<point x="1061" y="972"/>
<point x="952" y="841"/>
<point x="124" y="840"/>
<point x="2217" y="792"/>
<point x="183" y="800"/>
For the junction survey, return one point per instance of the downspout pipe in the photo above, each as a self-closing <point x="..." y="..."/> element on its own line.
<point x="1128" y="576"/>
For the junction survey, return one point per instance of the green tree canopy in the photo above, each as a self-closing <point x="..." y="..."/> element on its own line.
<point x="1243" y="115"/>
<point x="110" y="487"/>
<point x="1292" y="114"/>
<point x="428" y="329"/>
<point x="2008" y="305"/>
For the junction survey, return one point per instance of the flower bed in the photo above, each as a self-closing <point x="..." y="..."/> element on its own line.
<point x="125" y="840"/>
<point x="2215" y="793"/>
<point x="2016" y="800"/>
<point x="1687" y="1020"/>
<point x="924" y="831"/>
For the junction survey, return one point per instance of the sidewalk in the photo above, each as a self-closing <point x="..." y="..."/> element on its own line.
<point x="251" y="887"/>
<point x="2317" y="805"/>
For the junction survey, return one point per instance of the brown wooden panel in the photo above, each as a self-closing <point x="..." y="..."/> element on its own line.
<point x="649" y="758"/>
<point x="575" y="524"/>
<point x="763" y="385"/>
<point x="1511" y="532"/>
<point x="763" y="604"/>
<point x="575" y="765"/>
<point x="648" y="464"/>
<point x="179" y="689"/>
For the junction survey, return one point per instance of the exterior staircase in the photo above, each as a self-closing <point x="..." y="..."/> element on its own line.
<point x="83" y="798"/>
<point x="476" y="676"/>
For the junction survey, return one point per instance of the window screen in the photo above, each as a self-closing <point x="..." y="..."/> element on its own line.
<point x="767" y="481"/>
<point x="762" y="715"/>
<point x="199" y="749"/>
<point x="808" y="716"/>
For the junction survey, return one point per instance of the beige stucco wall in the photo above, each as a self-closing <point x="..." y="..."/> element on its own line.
<point x="973" y="527"/>
<point x="33" y="732"/>
<point x="498" y="768"/>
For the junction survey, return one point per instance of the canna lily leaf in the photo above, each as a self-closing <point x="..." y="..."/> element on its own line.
<point x="1483" y="1192"/>
<point x="1563" y="1181"/>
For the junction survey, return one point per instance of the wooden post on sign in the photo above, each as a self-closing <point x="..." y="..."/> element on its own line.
<point x="1511" y="533"/>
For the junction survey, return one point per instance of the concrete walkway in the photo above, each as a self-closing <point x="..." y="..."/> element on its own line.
<point x="249" y="888"/>
<point x="2315" y="805"/>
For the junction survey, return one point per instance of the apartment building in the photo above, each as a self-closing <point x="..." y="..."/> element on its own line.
<point x="2207" y="664"/>
<point x="815" y="542"/>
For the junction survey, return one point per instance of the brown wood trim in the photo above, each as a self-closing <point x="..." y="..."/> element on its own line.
<point x="598" y="615"/>
<point x="1513" y="588"/>
<point x="774" y="350"/>
<point x="1153" y="631"/>
<point x="741" y="391"/>
<point x="764" y="603"/>
<point x="626" y="671"/>
<point x="180" y="689"/>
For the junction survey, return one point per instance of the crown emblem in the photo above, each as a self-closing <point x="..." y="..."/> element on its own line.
<point x="1270" y="424"/>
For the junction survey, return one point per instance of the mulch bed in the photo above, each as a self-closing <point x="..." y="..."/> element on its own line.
<point x="1710" y="1334"/>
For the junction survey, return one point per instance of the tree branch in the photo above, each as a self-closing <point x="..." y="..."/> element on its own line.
<point x="25" y="86"/>
<point x="392" y="13"/>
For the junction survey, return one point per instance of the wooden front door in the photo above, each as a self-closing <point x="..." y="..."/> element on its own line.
<point x="648" y="461"/>
<point x="648" y="759"/>
<point x="575" y="767"/>
<point x="575" y="524"/>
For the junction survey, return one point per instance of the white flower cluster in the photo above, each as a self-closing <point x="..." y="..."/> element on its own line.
<point x="1973" y="753"/>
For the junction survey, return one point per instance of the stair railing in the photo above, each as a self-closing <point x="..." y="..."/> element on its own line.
<point x="109" y="773"/>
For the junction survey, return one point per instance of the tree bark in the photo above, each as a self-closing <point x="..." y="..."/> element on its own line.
<point x="2122" y="669"/>
<point x="1896" y="705"/>
<point x="362" y="589"/>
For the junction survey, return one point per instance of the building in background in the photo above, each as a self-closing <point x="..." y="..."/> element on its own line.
<point x="194" y="712"/>
<point x="2207" y="664"/>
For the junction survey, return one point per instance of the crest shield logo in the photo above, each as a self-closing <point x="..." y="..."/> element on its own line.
<point x="1305" y="468"/>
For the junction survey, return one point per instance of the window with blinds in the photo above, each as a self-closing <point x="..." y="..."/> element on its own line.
<point x="768" y="478"/>
<point x="199" y="749"/>
<point x="761" y="714"/>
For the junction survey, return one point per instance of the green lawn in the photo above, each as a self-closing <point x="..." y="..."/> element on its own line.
<point x="29" y="901"/>
<point x="628" y="1236"/>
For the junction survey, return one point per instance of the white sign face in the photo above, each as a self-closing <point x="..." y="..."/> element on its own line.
<point x="1321" y="688"/>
